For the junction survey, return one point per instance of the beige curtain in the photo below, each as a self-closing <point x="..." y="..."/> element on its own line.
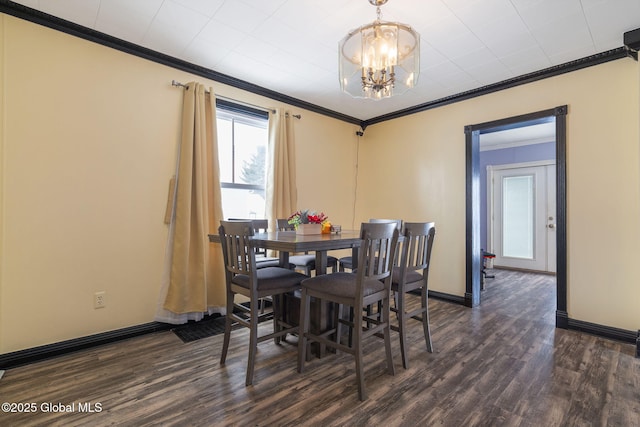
<point x="194" y="281"/>
<point x="282" y="190"/>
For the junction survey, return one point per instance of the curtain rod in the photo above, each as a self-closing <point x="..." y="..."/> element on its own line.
<point x="271" y="110"/>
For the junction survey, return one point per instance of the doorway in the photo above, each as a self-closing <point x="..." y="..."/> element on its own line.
<point x="522" y="215"/>
<point x="472" y="226"/>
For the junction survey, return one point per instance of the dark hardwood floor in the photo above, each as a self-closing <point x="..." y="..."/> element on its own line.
<point x="503" y="363"/>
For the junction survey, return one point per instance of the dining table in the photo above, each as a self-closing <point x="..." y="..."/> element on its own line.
<point x="289" y="242"/>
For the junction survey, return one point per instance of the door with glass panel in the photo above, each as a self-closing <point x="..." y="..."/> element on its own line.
<point x="522" y="220"/>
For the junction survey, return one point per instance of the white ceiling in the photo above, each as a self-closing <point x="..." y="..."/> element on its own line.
<point x="516" y="137"/>
<point x="290" y="46"/>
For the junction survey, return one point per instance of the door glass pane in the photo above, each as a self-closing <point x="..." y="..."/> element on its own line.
<point x="518" y="216"/>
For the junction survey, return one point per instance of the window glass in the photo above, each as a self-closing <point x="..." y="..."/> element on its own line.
<point x="242" y="147"/>
<point x="225" y="148"/>
<point x="518" y="216"/>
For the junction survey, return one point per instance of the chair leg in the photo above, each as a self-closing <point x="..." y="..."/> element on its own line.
<point x="357" y="347"/>
<point x="352" y="321"/>
<point x="227" y="328"/>
<point x="386" y="318"/>
<point x="253" y="344"/>
<point x="368" y="310"/>
<point x="425" y="320"/>
<point x="277" y="302"/>
<point x="337" y="316"/>
<point x="305" y="304"/>
<point x="402" y="328"/>
<point x="395" y="302"/>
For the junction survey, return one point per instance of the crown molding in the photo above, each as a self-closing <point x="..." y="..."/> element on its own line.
<point x="44" y="19"/>
<point x="578" y="64"/>
<point x="53" y="22"/>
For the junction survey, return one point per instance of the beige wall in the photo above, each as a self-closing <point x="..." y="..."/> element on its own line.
<point x="424" y="156"/>
<point x="419" y="162"/>
<point x="88" y="145"/>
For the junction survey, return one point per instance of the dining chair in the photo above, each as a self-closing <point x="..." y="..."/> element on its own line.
<point x="486" y="258"/>
<point x="411" y="275"/>
<point x="368" y="286"/>
<point x="306" y="261"/>
<point x="262" y="260"/>
<point x="261" y="226"/>
<point x="346" y="262"/>
<point x="244" y="278"/>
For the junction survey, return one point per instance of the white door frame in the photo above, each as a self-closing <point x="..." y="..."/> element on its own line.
<point x="491" y="197"/>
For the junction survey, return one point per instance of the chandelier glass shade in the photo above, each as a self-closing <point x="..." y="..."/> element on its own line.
<point x="379" y="60"/>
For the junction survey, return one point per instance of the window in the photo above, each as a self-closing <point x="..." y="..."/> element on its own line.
<point x="242" y="146"/>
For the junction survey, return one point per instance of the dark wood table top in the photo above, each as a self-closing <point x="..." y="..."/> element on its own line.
<point x="286" y="242"/>
<point x="289" y="241"/>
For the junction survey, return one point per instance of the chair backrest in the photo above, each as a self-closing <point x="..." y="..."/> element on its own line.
<point x="283" y="225"/>
<point x="416" y="247"/>
<point x="237" y="248"/>
<point x="259" y="226"/>
<point x="377" y="251"/>
<point x="398" y="222"/>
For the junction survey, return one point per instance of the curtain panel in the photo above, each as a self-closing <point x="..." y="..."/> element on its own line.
<point x="282" y="190"/>
<point x="194" y="281"/>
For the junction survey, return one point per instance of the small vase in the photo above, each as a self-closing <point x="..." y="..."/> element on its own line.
<point x="309" y="229"/>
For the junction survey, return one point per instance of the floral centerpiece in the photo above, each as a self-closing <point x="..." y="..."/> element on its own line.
<point x="309" y="222"/>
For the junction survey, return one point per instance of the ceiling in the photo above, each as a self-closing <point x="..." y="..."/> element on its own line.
<point x="290" y="46"/>
<point x="519" y="136"/>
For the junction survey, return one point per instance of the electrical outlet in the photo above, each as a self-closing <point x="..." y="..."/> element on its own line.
<point x="100" y="299"/>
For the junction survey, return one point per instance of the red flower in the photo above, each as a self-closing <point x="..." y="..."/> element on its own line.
<point x="305" y="217"/>
<point x="317" y="219"/>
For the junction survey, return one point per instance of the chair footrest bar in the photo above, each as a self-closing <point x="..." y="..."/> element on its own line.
<point x="277" y="334"/>
<point x="329" y="343"/>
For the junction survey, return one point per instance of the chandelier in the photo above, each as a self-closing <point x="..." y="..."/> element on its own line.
<point x="379" y="59"/>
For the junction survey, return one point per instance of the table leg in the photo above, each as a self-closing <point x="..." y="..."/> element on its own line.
<point x="321" y="262"/>
<point x="284" y="259"/>
<point x="321" y="318"/>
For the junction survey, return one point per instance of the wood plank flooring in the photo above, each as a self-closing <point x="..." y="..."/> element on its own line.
<point x="503" y="363"/>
